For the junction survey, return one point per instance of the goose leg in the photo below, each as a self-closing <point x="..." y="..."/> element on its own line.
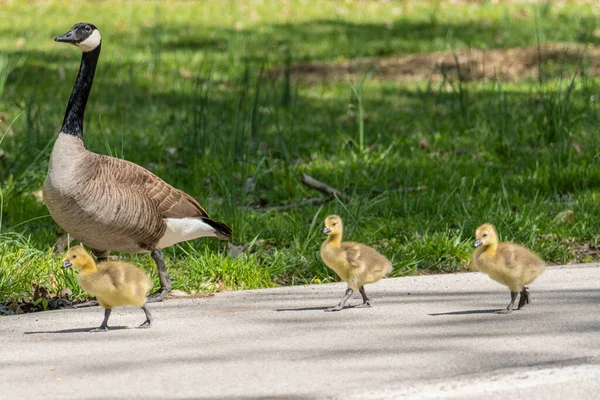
<point x="163" y="276"/>
<point x="365" y="303"/>
<point x="100" y="255"/>
<point x="148" y="321"/>
<point x="349" y="293"/>
<point x="104" y="326"/>
<point x="511" y="306"/>
<point x="524" y="299"/>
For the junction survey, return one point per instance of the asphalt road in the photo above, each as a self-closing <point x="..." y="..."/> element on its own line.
<point x="425" y="337"/>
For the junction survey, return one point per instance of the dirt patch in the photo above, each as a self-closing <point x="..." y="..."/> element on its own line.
<point x="474" y="64"/>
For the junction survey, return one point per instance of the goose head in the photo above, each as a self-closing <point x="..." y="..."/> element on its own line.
<point x="485" y="235"/>
<point x="333" y="225"/>
<point x="83" y="35"/>
<point x="78" y="258"/>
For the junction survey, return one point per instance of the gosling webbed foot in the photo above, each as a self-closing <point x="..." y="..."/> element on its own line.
<point x="524" y="299"/>
<point x="100" y="329"/>
<point x="511" y="305"/>
<point x="366" y="304"/>
<point x="340" y="306"/>
<point x="148" y="321"/>
<point x="145" y="325"/>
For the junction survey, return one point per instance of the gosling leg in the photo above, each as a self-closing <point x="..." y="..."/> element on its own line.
<point x="148" y="321"/>
<point x="511" y="306"/>
<point x="104" y="326"/>
<point x="365" y="303"/>
<point x="349" y="293"/>
<point x="524" y="299"/>
<point x="163" y="276"/>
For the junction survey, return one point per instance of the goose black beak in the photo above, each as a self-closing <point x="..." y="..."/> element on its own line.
<point x="477" y="243"/>
<point x="326" y="230"/>
<point x="67" y="264"/>
<point x="68" y="37"/>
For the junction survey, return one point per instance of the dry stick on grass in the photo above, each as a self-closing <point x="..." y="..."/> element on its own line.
<point x="323" y="188"/>
<point x="313" y="184"/>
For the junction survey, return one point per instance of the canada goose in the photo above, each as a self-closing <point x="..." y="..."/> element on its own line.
<point x="114" y="283"/>
<point x="129" y="209"/>
<point x="355" y="263"/>
<point x="510" y="264"/>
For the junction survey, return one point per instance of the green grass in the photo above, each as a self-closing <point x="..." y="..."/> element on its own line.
<point x="182" y="89"/>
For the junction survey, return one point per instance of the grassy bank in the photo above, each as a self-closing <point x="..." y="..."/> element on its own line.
<point x="187" y="89"/>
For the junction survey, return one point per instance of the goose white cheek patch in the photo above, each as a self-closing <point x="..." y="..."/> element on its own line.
<point x="91" y="42"/>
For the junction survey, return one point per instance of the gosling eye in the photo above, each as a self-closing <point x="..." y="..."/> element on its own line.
<point x="74" y="256"/>
<point x="485" y="234"/>
<point x="88" y="28"/>
<point x="334" y="224"/>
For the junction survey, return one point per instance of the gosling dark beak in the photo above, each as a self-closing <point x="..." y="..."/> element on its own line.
<point x="326" y="230"/>
<point x="68" y="37"/>
<point x="477" y="243"/>
<point x="67" y="264"/>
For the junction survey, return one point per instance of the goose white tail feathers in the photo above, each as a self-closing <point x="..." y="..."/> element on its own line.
<point x="182" y="229"/>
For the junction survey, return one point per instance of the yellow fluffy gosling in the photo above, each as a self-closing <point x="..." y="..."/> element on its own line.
<point x="114" y="283"/>
<point x="355" y="263"/>
<point x="510" y="264"/>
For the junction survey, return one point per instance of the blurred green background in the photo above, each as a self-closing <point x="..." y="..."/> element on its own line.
<point x="432" y="116"/>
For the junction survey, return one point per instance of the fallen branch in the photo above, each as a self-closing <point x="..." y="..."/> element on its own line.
<point x="322" y="187"/>
<point x="313" y="184"/>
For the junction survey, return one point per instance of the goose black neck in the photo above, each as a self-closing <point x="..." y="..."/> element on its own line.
<point x="73" y="122"/>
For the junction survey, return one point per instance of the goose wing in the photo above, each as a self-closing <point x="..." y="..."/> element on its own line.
<point x="129" y="201"/>
<point x="170" y="202"/>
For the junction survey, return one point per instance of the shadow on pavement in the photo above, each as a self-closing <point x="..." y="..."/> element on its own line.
<point x="78" y="330"/>
<point x="468" y="312"/>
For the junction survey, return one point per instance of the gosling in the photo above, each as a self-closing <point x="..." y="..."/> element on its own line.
<point x="355" y="263"/>
<point x="510" y="264"/>
<point x="114" y="283"/>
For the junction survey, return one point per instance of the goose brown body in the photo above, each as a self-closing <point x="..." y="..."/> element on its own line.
<point x="507" y="263"/>
<point x="126" y="205"/>
<point x="355" y="263"/>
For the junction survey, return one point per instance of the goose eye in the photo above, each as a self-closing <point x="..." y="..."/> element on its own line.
<point x="485" y="234"/>
<point x="334" y="224"/>
<point x="88" y="28"/>
<point x="74" y="256"/>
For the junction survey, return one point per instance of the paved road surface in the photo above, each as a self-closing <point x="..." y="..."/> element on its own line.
<point x="425" y="337"/>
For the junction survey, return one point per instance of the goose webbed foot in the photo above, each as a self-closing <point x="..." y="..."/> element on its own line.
<point x="163" y="276"/>
<point x="158" y="296"/>
<point x="340" y="306"/>
<point x="511" y="306"/>
<point x="90" y="303"/>
<point x="524" y="299"/>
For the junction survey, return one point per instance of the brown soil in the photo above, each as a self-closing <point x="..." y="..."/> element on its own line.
<point x="501" y="64"/>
